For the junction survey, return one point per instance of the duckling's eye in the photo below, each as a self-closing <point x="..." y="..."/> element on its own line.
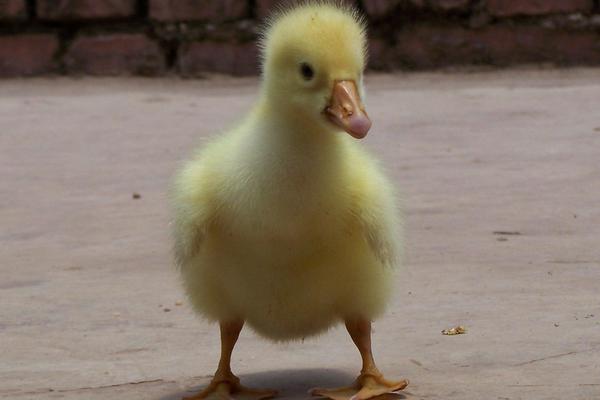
<point x="307" y="71"/>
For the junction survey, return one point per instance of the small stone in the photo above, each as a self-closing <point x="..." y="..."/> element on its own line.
<point x="459" y="330"/>
<point x="136" y="196"/>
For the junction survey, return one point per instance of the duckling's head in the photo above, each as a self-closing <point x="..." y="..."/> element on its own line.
<point x="314" y="55"/>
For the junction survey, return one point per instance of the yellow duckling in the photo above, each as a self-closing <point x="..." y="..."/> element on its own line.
<point x="285" y="223"/>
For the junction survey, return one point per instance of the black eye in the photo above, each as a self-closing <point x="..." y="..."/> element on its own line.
<point x="307" y="71"/>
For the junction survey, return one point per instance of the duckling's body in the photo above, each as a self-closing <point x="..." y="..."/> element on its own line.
<point x="286" y="247"/>
<point x="284" y="222"/>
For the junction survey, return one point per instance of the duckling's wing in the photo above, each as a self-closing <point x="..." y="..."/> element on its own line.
<point x="194" y="211"/>
<point x="381" y="244"/>
<point x="375" y="210"/>
<point x="380" y="231"/>
<point x="189" y="235"/>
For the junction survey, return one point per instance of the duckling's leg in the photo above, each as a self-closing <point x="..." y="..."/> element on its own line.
<point x="370" y="382"/>
<point x="225" y="385"/>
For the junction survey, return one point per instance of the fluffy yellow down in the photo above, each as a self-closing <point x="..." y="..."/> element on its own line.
<point x="285" y="221"/>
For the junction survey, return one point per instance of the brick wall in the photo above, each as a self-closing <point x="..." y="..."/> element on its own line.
<point x="195" y="37"/>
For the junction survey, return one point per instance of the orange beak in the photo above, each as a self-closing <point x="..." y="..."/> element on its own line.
<point x="347" y="111"/>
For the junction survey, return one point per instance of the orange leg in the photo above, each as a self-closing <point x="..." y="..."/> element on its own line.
<point x="370" y="382"/>
<point x="225" y="385"/>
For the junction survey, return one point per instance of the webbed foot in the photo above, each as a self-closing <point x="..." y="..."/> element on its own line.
<point x="365" y="387"/>
<point x="230" y="389"/>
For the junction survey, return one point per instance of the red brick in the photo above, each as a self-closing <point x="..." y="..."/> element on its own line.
<point x="29" y="54"/>
<point x="509" y="8"/>
<point x="267" y="7"/>
<point x="115" y="54"/>
<point x="196" y="58"/>
<point x="450" y="5"/>
<point x="379" y="54"/>
<point x="427" y="46"/>
<point x="437" y="46"/>
<point x="526" y="44"/>
<point x="194" y="10"/>
<point x="380" y="8"/>
<point x="576" y="48"/>
<point x="58" y="10"/>
<point x="13" y="10"/>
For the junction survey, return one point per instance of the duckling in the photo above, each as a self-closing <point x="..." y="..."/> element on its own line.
<point x="285" y="223"/>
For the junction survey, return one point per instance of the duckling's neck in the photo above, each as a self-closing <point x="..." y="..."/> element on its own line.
<point x="283" y="126"/>
<point x="297" y="163"/>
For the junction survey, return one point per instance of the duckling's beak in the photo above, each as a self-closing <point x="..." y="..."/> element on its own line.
<point x="347" y="111"/>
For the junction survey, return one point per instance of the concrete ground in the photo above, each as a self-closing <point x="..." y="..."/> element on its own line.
<point x="90" y="303"/>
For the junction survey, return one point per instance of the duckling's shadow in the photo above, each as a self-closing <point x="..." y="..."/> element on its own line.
<point x="292" y="384"/>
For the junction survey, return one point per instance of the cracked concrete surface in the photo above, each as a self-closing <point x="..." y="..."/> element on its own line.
<point x="90" y="305"/>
